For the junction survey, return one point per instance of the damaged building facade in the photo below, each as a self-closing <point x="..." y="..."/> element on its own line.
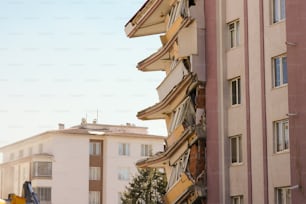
<point x="181" y="93"/>
<point x="233" y="98"/>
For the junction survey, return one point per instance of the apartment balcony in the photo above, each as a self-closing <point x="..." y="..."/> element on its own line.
<point x="178" y="189"/>
<point x="171" y="154"/>
<point x="175" y="136"/>
<point x="172" y="79"/>
<point x="149" y="19"/>
<point x="157" y="16"/>
<point x="169" y="103"/>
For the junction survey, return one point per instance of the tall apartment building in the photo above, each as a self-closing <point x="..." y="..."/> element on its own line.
<point x="89" y="163"/>
<point x="247" y="57"/>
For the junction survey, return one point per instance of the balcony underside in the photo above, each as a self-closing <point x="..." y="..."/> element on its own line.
<point x="170" y="154"/>
<point x="159" y="60"/>
<point x="149" y="19"/>
<point x="194" y="194"/>
<point x="178" y="189"/>
<point x="170" y="102"/>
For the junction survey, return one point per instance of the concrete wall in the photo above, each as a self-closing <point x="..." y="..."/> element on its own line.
<point x="257" y="176"/>
<point x="296" y="32"/>
<point x="114" y="161"/>
<point x="70" y="169"/>
<point x="276" y="102"/>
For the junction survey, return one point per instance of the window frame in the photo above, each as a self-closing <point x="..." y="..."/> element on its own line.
<point x="95" y="148"/>
<point x="283" y="71"/>
<point x="238" y="150"/>
<point x="21" y="153"/>
<point x="235" y="98"/>
<point x="124" y="149"/>
<point x="180" y="8"/>
<point x="124" y="174"/>
<point x="281" y="140"/>
<point x="283" y="193"/>
<point x="238" y="199"/>
<point x="278" y="11"/>
<point x="40" y="148"/>
<point x="233" y="33"/>
<point x="181" y="112"/>
<point x="94" y="173"/>
<point x="177" y="168"/>
<point x="37" y="168"/>
<point x="12" y="156"/>
<point x="47" y="194"/>
<point x="30" y="151"/>
<point x="146" y="150"/>
<point x="94" y="197"/>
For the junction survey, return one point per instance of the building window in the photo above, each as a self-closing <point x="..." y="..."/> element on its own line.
<point x="24" y="175"/>
<point x="279" y="10"/>
<point x="280" y="75"/>
<point x="282" y="195"/>
<point x="237" y="199"/>
<point x="233" y="29"/>
<point x="40" y="148"/>
<point x="177" y="168"/>
<point x="281" y="135"/>
<point x="43" y="194"/>
<point x="12" y="156"/>
<point x="94" y="197"/>
<point x="124" y="174"/>
<point x="30" y="151"/>
<point x="42" y="169"/>
<point x="94" y="173"/>
<point x="183" y="114"/>
<point x="146" y="150"/>
<point x="95" y="148"/>
<point x="124" y="149"/>
<point x="236" y="149"/>
<point x="180" y="8"/>
<point x="20" y="153"/>
<point x="235" y="91"/>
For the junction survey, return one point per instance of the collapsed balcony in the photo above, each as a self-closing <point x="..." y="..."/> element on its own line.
<point x="175" y="76"/>
<point x="162" y="109"/>
<point x="184" y="161"/>
<point x="157" y="16"/>
<point x="184" y="155"/>
<point x="181" y="94"/>
<point x="187" y="183"/>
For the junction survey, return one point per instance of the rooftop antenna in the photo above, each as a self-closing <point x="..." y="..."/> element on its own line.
<point x="97" y="115"/>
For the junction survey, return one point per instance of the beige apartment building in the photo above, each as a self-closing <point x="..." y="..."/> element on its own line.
<point x="245" y="107"/>
<point x="88" y="163"/>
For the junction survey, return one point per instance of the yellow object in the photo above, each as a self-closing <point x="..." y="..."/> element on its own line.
<point x="17" y="199"/>
<point x="27" y="194"/>
<point x="14" y="199"/>
<point x="181" y="186"/>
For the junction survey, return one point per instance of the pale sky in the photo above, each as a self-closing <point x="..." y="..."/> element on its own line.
<point x="62" y="60"/>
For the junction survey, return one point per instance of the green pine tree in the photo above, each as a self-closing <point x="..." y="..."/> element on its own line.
<point x="148" y="187"/>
